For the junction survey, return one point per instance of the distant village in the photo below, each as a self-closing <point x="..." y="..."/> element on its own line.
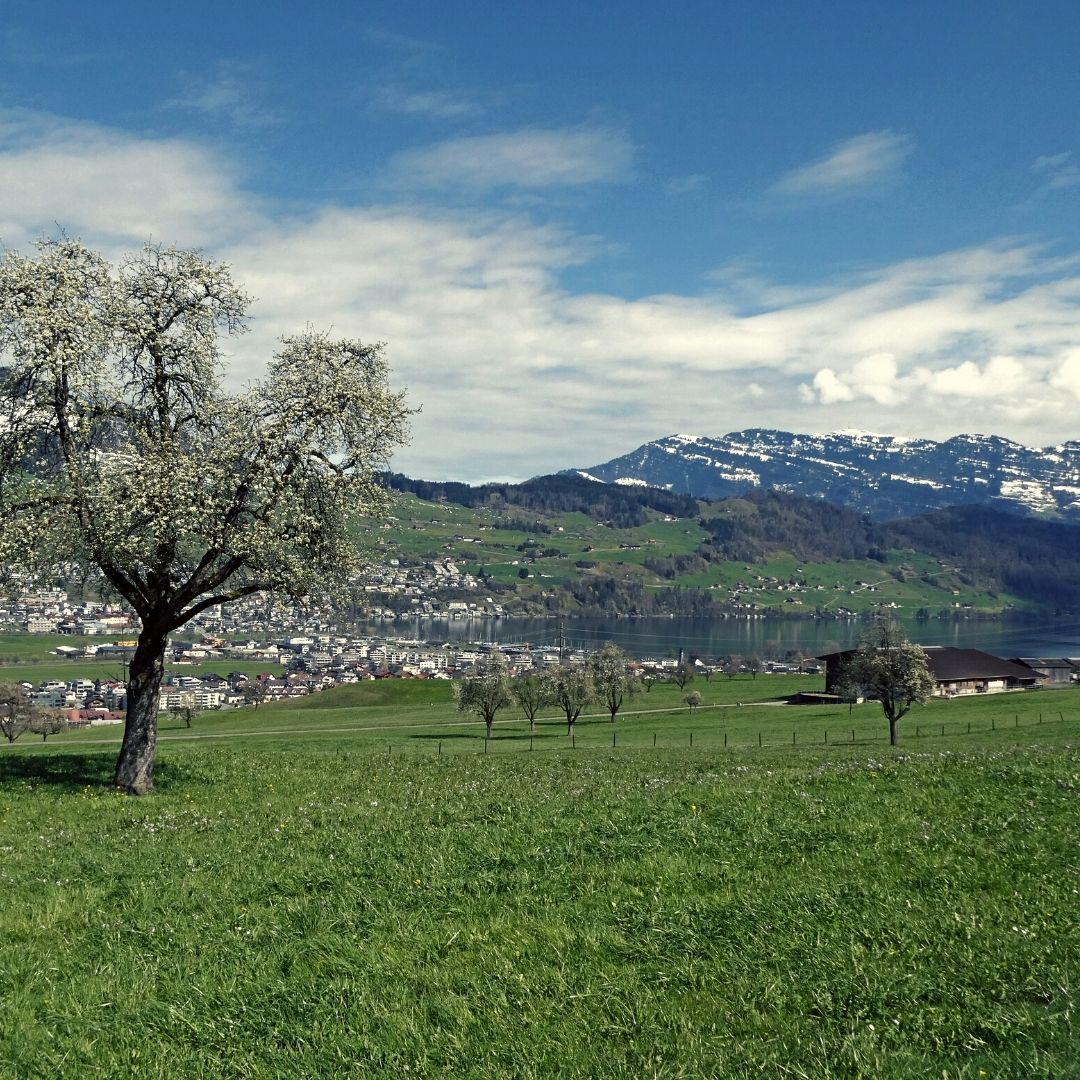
<point x="303" y="651"/>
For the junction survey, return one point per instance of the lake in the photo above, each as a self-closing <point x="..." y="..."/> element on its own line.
<point x="659" y="637"/>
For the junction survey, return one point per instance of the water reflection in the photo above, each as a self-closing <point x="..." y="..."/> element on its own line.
<point x="718" y="637"/>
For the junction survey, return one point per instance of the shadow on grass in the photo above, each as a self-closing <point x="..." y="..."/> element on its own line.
<point x="449" y="737"/>
<point x="71" y="772"/>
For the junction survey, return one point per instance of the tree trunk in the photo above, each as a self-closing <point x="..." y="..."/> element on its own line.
<point x="135" y="766"/>
<point x="489" y="721"/>
<point x="892" y="731"/>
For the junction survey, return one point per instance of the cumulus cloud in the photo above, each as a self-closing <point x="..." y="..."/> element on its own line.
<point x="113" y="187"/>
<point x="529" y="158"/>
<point x="851" y="165"/>
<point x="880" y="380"/>
<point x="1066" y="376"/>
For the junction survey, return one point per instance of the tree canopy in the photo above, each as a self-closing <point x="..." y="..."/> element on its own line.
<point x="571" y="689"/>
<point x="121" y="451"/>
<point x="891" y="669"/>
<point x="485" y="689"/>
<point x="611" y="681"/>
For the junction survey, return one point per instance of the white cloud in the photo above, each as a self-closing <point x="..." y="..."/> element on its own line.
<point x="112" y="187"/>
<point x="879" y="379"/>
<point x="829" y="389"/>
<point x="686" y="185"/>
<point x="851" y="165"/>
<point x="516" y="373"/>
<point x="529" y="158"/>
<point x="1058" y="171"/>
<point x="1066" y="377"/>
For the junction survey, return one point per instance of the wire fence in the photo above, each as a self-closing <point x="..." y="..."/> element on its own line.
<point x="602" y="737"/>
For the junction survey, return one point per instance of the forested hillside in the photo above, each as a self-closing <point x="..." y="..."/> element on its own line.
<point x="621" y="507"/>
<point x="1039" y="560"/>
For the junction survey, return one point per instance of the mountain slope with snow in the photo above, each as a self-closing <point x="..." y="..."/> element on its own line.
<point x="883" y="476"/>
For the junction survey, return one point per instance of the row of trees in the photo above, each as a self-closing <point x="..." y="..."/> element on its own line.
<point x="886" y="667"/>
<point x="602" y="680"/>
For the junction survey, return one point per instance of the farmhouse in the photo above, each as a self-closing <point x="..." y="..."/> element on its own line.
<point x="955" y="671"/>
<point x="1058" y="670"/>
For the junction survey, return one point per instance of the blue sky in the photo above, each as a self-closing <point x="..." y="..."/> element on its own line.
<point x="580" y="226"/>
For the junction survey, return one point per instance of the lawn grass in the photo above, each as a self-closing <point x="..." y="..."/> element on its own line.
<point x="19" y="648"/>
<point x="308" y="909"/>
<point x="419" y="717"/>
<point x="89" y="668"/>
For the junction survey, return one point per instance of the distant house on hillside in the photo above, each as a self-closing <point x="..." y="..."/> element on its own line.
<point x="956" y="672"/>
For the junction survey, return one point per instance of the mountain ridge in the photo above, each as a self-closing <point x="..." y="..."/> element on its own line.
<point x="884" y="476"/>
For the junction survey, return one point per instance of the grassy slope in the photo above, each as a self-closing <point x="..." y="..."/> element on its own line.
<point x="429" y="530"/>
<point x="309" y="910"/>
<point x="420" y="717"/>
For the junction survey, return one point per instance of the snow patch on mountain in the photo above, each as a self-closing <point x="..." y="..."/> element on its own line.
<point x="884" y="476"/>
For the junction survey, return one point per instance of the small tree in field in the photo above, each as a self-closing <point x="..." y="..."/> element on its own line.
<point x="46" y="722"/>
<point x="184" y="714"/>
<point x="15" y="711"/>
<point x="529" y="692"/>
<point x="486" y="689"/>
<point x="682" y="674"/>
<point x="571" y="688"/>
<point x="611" y="681"/>
<point x="255" y="691"/>
<point x="121" y="452"/>
<point x="693" y="699"/>
<point x="890" y="668"/>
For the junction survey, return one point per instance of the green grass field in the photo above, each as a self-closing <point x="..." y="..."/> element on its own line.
<point x="336" y="900"/>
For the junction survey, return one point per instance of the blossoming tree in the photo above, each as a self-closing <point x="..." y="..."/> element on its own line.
<point x="122" y="452"/>
<point x="890" y="668"/>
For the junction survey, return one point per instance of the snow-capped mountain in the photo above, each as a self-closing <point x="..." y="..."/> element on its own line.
<point x="880" y="475"/>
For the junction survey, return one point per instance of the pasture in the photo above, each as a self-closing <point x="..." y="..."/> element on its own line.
<point x="358" y="887"/>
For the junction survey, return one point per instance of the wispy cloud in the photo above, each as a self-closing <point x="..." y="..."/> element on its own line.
<point x="230" y="94"/>
<point x="685" y="185"/>
<point x="1057" y="170"/>
<point x="528" y="158"/>
<point x="433" y="104"/>
<point x="401" y="43"/>
<point x="852" y="165"/>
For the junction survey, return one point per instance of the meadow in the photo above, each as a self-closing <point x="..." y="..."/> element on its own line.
<point x="360" y="886"/>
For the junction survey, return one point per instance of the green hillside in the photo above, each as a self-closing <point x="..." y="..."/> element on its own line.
<point x="765" y="553"/>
